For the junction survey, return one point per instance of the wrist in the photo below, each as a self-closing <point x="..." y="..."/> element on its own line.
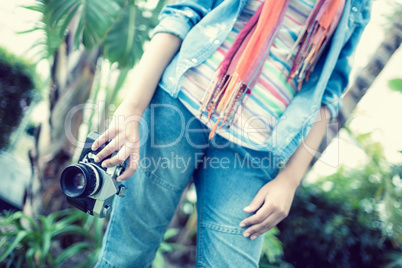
<point x="137" y="99"/>
<point x="293" y="179"/>
<point x="135" y="107"/>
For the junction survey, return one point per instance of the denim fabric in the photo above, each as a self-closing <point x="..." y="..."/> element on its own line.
<point x="203" y="26"/>
<point x="227" y="177"/>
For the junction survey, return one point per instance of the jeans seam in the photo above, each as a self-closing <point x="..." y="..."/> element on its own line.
<point x="222" y="228"/>
<point x="199" y="233"/>
<point x="201" y="264"/>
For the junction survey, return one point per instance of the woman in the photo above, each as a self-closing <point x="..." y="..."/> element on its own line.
<point x="226" y="92"/>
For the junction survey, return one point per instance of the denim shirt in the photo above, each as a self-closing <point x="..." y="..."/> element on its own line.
<point x="204" y="24"/>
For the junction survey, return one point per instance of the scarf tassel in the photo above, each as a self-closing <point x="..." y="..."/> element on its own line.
<point x="225" y="97"/>
<point x="310" y="47"/>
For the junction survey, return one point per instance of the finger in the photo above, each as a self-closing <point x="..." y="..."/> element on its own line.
<point x="258" y="217"/>
<point x="131" y="168"/>
<point x="255" y="235"/>
<point x="108" y="134"/>
<point x="259" y="229"/>
<point x="108" y="150"/>
<point x="119" y="158"/>
<point x="257" y="201"/>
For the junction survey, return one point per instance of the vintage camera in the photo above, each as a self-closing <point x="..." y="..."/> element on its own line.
<point x="90" y="187"/>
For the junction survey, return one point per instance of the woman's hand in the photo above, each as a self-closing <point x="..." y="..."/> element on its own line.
<point x="272" y="204"/>
<point x="273" y="201"/>
<point x="123" y="134"/>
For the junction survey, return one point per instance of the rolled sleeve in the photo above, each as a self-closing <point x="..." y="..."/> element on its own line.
<point x="339" y="78"/>
<point x="179" y="18"/>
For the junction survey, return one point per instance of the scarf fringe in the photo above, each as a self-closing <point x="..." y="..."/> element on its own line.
<point x="223" y="96"/>
<point x="310" y="46"/>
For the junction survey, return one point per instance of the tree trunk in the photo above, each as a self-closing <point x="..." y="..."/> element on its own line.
<point x="53" y="147"/>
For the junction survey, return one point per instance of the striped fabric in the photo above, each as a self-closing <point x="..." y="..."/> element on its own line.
<point x="269" y="98"/>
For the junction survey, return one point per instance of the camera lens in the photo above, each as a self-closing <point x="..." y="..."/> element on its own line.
<point x="80" y="180"/>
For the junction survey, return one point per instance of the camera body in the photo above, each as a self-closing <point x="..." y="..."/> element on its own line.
<point x="90" y="187"/>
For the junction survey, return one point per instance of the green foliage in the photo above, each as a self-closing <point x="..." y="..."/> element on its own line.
<point x="166" y="247"/>
<point x="392" y="204"/>
<point x="61" y="239"/>
<point x="120" y="26"/>
<point x="17" y="82"/>
<point x="124" y="42"/>
<point x="96" y="18"/>
<point x="29" y="242"/>
<point x="54" y="35"/>
<point x="394" y="14"/>
<point x="394" y="260"/>
<point x="272" y="249"/>
<point x="323" y="233"/>
<point x="395" y="84"/>
<point x="349" y="219"/>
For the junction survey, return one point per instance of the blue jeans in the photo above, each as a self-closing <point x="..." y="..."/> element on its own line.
<point x="227" y="177"/>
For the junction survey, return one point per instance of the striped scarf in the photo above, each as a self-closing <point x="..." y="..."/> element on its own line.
<point x="239" y="71"/>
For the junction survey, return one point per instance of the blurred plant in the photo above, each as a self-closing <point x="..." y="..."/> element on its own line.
<point x="17" y="84"/>
<point x="349" y="219"/>
<point x="272" y="250"/>
<point x="395" y="7"/>
<point x="394" y="260"/>
<point x="395" y="84"/>
<point x="38" y="242"/>
<point x="165" y="247"/>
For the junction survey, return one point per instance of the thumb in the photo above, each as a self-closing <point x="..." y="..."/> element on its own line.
<point x="257" y="201"/>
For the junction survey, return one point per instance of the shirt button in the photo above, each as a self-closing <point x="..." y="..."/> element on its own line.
<point x="194" y="60"/>
<point x="354" y="9"/>
<point x="281" y="164"/>
<point x="216" y="42"/>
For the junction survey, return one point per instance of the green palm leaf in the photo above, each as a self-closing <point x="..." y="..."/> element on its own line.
<point x="124" y="42"/>
<point x="95" y="18"/>
<point x="54" y="36"/>
<point x="119" y="44"/>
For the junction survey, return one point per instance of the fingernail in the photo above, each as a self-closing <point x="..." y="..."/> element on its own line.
<point x="93" y="147"/>
<point x="242" y="224"/>
<point x="246" y="234"/>
<point x="253" y="237"/>
<point x="104" y="164"/>
<point x="247" y="208"/>
<point x="96" y="159"/>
